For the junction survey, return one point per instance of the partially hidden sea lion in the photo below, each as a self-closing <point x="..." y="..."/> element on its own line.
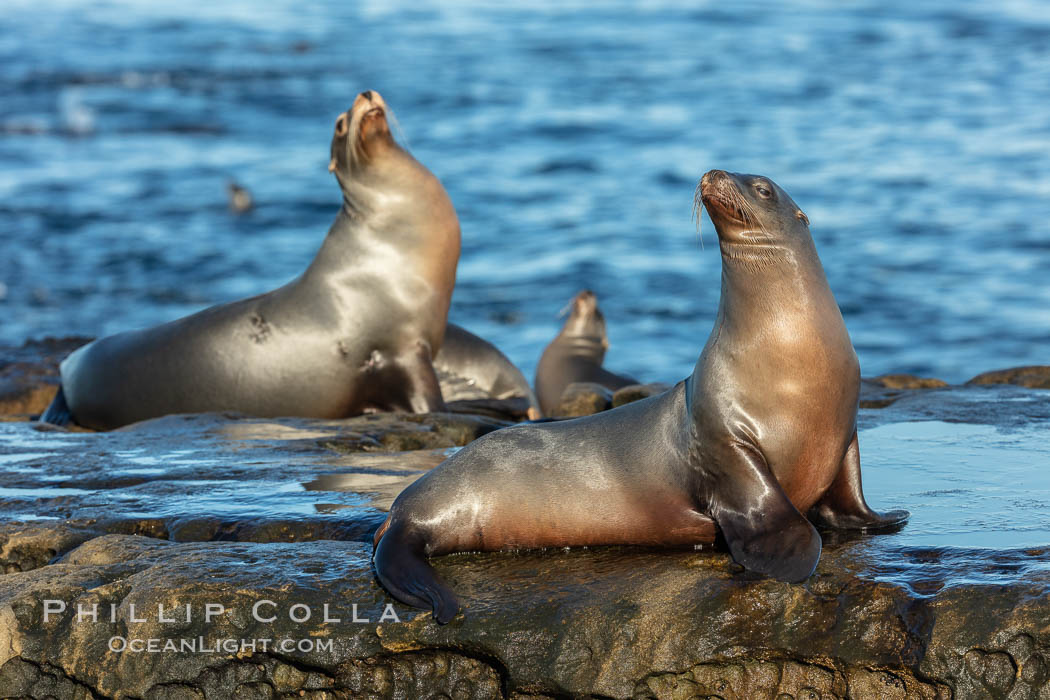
<point x="355" y="332"/>
<point x="240" y="197"/>
<point x="476" y="377"/>
<point x="576" y="354"/>
<point x="762" y="432"/>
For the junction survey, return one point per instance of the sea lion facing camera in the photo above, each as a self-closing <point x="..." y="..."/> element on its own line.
<point x="763" y="431"/>
<point x="356" y="331"/>
<point x="576" y="354"/>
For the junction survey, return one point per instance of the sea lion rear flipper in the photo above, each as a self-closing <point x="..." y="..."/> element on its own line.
<point x="58" y="412"/>
<point x="764" y="531"/>
<point x="402" y="568"/>
<point x="843" y="507"/>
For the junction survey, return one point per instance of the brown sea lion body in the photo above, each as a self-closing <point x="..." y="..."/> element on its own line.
<point x="576" y="354"/>
<point x="356" y="331"/>
<point x="762" y="432"/>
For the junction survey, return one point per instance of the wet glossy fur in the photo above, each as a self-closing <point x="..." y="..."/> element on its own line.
<point x="763" y="431"/>
<point x="356" y="330"/>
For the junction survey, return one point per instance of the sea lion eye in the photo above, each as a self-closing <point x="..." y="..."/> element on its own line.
<point x="763" y="192"/>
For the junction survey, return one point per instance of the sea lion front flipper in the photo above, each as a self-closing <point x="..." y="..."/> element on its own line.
<point x="842" y="507"/>
<point x="764" y="531"/>
<point x="422" y="388"/>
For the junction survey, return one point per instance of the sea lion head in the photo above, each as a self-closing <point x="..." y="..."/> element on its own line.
<point x="751" y="210"/>
<point x="362" y="135"/>
<point x="365" y="156"/>
<point x="586" y="319"/>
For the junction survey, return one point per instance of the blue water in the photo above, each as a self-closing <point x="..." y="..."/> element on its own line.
<point x="914" y="135"/>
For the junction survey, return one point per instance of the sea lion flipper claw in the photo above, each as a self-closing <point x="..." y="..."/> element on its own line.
<point x="764" y="531"/>
<point x="842" y="506"/>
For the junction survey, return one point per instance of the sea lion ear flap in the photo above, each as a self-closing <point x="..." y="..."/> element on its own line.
<point x="802" y="217"/>
<point x="331" y="165"/>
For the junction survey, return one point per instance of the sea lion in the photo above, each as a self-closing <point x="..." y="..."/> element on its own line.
<point x="576" y="354"/>
<point x="240" y="197"/>
<point x="356" y="331"/>
<point x="476" y="377"/>
<point x="764" y="430"/>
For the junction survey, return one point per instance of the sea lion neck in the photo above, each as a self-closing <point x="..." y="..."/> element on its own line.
<point x="375" y="184"/>
<point x="764" y="281"/>
<point x="404" y="212"/>
<point x="584" y="334"/>
<point x="583" y="345"/>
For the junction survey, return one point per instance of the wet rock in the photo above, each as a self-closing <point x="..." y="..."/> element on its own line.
<point x="26" y="546"/>
<point x="885" y="390"/>
<point x="1033" y="377"/>
<point x="212" y="477"/>
<point x="583" y="399"/>
<point x="1000" y="405"/>
<point x="319" y="598"/>
<point x="636" y="392"/>
<point x="403" y="432"/>
<point x="29" y="375"/>
<point x="608" y="622"/>
<point x="908" y="381"/>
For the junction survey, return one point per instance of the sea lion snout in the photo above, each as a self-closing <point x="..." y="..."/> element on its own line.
<point x="714" y="183"/>
<point x="371" y="108"/>
<point x="367" y="99"/>
<point x="373" y="125"/>
<point x="711" y="177"/>
<point x="586" y="302"/>
<point x="720" y="194"/>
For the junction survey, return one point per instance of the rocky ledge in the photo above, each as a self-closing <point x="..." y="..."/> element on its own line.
<point x="221" y="556"/>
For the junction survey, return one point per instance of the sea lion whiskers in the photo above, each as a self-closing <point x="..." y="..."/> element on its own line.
<point x="355" y="149"/>
<point x="698" y="206"/>
<point x="395" y="127"/>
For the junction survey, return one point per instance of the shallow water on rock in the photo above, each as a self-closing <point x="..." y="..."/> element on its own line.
<point x="148" y="474"/>
<point x="976" y="480"/>
<point x="966" y="485"/>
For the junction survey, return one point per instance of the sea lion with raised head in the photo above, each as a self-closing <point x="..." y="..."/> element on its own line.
<point x="763" y="431"/>
<point x="576" y="354"/>
<point x="355" y="332"/>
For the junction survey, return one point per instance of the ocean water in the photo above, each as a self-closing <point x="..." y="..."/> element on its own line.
<point x="570" y="137"/>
